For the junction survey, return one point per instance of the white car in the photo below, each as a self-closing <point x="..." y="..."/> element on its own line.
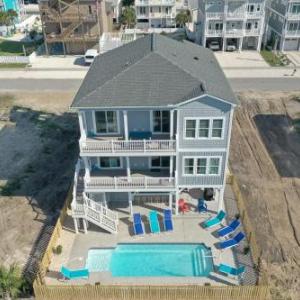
<point x="214" y="46"/>
<point x="90" y="55"/>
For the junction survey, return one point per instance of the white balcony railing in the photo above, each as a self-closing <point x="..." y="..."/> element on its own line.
<point x="292" y="33"/>
<point x="252" y="31"/>
<point x="214" y="15"/>
<point x="130" y="183"/>
<point x="236" y="15"/>
<point x="131" y="146"/>
<point x="213" y="32"/>
<point x="293" y="16"/>
<point x="255" y="14"/>
<point x="234" y="32"/>
<point x="154" y="2"/>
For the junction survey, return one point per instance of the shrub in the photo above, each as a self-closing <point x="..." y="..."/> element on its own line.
<point x="57" y="250"/>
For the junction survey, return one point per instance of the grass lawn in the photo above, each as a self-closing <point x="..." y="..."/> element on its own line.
<point x="272" y="59"/>
<point x="12" y="65"/>
<point x="8" y="48"/>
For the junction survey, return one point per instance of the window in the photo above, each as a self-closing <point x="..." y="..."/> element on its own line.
<point x="161" y="121"/>
<point x="248" y="25"/>
<point x="258" y="7"/>
<point x="188" y="166"/>
<point x="199" y="166"/>
<point x="214" y="164"/>
<point x="217" y="128"/>
<point x="142" y="10"/>
<point x="190" y="128"/>
<point x="250" y="8"/>
<point x="106" y="122"/>
<point x="293" y="26"/>
<point x="204" y="128"/>
<point x="110" y="162"/>
<point x="160" y="162"/>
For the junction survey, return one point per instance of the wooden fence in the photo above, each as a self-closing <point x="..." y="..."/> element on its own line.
<point x="130" y="292"/>
<point x="46" y="259"/>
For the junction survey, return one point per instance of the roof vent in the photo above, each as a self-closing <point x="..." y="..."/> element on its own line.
<point x="203" y="87"/>
<point x="196" y="58"/>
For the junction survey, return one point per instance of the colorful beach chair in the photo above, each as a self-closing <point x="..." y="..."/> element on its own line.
<point x="230" y="228"/>
<point x="153" y="220"/>
<point x="231" y="270"/>
<point x="74" y="274"/>
<point x="215" y="221"/>
<point x="138" y="225"/>
<point x="168" y="223"/>
<point x="232" y="242"/>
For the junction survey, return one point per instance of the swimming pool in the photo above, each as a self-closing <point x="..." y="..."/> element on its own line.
<point x="138" y="260"/>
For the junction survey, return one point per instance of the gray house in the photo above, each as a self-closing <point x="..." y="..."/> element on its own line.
<point x="155" y="118"/>
<point x="283" y="24"/>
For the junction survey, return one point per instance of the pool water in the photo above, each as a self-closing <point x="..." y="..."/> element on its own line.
<point x="137" y="260"/>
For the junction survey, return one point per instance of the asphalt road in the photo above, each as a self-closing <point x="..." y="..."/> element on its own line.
<point x="238" y="84"/>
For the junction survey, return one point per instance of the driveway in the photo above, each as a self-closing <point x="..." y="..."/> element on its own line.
<point x="294" y="56"/>
<point x="245" y="59"/>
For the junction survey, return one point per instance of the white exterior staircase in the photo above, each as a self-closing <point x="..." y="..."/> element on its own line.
<point x="90" y="210"/>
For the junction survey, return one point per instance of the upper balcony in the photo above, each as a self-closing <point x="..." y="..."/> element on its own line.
<point x="293" y="16"/>
<point x="132" y="133"/>
<point x="154" y="2"/>
<point x="292" y="33"/>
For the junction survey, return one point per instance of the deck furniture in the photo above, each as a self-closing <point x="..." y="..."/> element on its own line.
<point x="74" y="274"/>
<point x="230" y="228"/>
<point x="140" y="135"/>
<point x="183" y="206"/>
<point x="153" y="221"/>
<point x="168" y="222"/>
<point x="202" y="206"/>
<point x="215" y="220"/>
<point x="232" y="242"/>
<point x="231" y="270"/>
<point x="138" y="225"/>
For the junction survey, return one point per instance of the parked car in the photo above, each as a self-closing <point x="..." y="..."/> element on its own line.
<point x="90" y="55"/>
<point x="230" y="48"/>
<point x="214" y="46"/>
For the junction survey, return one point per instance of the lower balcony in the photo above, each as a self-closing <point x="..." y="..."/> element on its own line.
<point x="143" y="180"/>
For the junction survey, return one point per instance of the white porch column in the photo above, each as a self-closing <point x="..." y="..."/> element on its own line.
<point x="84" y="221"/>
<point x="104" y="200"/>
<point x="128" y="166"/>
<point x="240" y="44"/>
<point x="171" y="124"/>
<point x="81" y="124"/>
<point x="171" y="167"/>
<point x="176" y="202"/>
<point x="130" y="203"/>
<point x="87" y="168"/>
<point x="75" y="225"/>
<point x="125" y="117"/>
<point x="170" y="201"/>
<point x="220" y="199"/>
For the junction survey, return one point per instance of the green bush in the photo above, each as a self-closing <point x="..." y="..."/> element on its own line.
<point x="57" y="250"/>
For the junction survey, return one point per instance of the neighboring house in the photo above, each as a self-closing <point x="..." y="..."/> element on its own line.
<point x="231" y="24"/>
<point x="74" y="27"/>
<point x="155" y="118"/>
<point x="157" y="13"/>
<point x="283" y="24"/>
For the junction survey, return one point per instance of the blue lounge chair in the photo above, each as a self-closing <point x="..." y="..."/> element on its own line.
<point x="138" y="226"/>
<point x="231" y="270"/>
<point x="153" y="220"/>
<point x="230" y="228"/>
<point x="202" y="207"/>
<point x="232" y="242"/>
<point x="216" y="220"/>
<point x="168" y="223"/>
<point x="74" y="274"/>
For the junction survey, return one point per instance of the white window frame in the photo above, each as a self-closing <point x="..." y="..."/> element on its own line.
<point x="209" y="129"/>
<point x="107" y="133"/>
<point x="208" y="158"/>
<point x="152" y="121"/>
<point x="114" y="168"/>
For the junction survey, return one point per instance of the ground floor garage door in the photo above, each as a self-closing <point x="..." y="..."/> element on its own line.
<point x="291" y="44"/>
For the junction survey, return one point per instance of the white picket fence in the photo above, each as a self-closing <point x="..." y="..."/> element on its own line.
<point x="18" y="59"/>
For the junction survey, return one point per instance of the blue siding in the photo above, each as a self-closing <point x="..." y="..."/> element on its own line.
<point x="205" y="181"/>
<point x="203" y="107"/>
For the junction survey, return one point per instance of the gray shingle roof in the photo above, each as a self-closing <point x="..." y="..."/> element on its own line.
<point x="152" y="71"/>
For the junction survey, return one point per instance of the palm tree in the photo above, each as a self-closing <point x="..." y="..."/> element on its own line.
<point x="128" y="17"/>
<point x="183" y="17"/>
<point x="11" y="281"/>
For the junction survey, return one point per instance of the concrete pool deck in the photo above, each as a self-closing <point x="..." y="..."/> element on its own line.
<point x="187" y="229"/>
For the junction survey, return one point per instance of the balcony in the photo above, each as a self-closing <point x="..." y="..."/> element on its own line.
<point x="254" y="15"/>
<point x="214" y="15"/>
<point x="214" y="33"/>
<point x="292" y="33"/>
<point x="138" y="181"/>
<point x="234" y="32"/>
<point x="293" y="16"/>
<point x="154" y="2"/>
<point x="120" y="147"/>
<point x="232" y="15"/>
<point x="250" y="32"/>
